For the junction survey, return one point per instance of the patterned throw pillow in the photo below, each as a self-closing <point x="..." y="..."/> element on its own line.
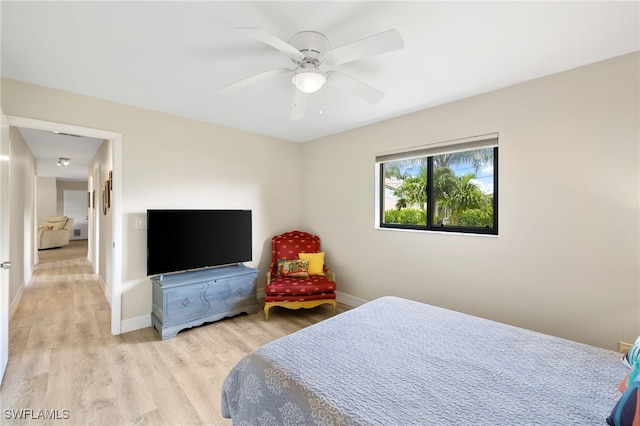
<point x="633" y="354"/>
<point x="627" y="410"/>
<point x="632" y="376"/>
<point x="293" y="268"/>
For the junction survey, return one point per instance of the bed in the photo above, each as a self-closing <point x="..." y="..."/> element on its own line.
<point x="394" y="361"/>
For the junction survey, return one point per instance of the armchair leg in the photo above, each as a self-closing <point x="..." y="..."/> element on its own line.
<point x="266" y="311"/>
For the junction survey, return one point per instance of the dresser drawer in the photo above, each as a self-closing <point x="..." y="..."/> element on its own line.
<point x="185" y="302"/>
<point x="242" y="292"/>
<point x="215" y="294"/>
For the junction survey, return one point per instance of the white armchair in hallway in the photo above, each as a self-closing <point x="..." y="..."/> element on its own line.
<point x="55" y="232"/>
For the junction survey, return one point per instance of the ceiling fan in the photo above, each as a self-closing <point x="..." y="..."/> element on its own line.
<point x="309" y="51"/>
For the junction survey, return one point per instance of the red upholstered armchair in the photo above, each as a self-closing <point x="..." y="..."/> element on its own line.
<point x="288" y="285"/>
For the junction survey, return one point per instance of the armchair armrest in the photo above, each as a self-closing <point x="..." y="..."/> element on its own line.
<point x="328" y="273"/>
<point x="271" y="272"/>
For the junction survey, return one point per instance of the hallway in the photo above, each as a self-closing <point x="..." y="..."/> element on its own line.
<point x="54" y="336"/>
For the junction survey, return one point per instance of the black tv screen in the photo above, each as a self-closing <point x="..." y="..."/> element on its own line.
<point x="182" y="240"/>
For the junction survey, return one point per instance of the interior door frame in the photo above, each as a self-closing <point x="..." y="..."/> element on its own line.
<point x="116" y="216"/>
<point x="5" y="227"/>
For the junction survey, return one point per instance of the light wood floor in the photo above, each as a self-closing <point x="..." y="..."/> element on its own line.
<point x="63" y="357"/>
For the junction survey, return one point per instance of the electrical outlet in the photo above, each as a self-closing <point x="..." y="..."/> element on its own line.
<point x="623" y="347"/>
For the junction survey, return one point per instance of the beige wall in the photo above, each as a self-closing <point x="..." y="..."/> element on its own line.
<point x="172" y="162"/>
<point x="47" y="203"/>
<point x="566" y="260"/>
<point x="22" y="217"/>
<point x="99" y="167"/>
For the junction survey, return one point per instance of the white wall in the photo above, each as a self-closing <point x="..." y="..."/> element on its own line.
<point x="75" y="206"/>
<point x="78" y="208"/>
<point x="566" y="260"/>
<point x="66" y="185"/>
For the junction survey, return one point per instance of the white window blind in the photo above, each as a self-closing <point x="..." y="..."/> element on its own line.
<point x="458" y="145"/>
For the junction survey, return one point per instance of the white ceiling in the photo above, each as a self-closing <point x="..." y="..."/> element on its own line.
<point x="48" y="147"/>
<point x="173" y="56"/>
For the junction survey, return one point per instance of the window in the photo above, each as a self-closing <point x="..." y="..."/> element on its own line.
<point x="451" y="187"/>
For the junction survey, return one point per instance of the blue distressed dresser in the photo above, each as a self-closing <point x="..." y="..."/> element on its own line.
<point x="192" y="298"/>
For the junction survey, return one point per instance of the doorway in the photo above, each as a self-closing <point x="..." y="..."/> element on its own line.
<point x="96" y="243"/>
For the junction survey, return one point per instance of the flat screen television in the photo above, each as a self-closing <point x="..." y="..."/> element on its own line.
<point x="183" y="240"/>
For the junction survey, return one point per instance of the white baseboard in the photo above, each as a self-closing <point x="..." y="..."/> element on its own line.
<point x="144" y="321"/>
<point x="13" y="307"/>
<point x="349" y="300"/>
<point x="105" y="290"/>
<point x="137" y="323"/>
<point x="28" y="273"/>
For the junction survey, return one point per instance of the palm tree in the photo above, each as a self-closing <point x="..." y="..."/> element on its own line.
<point x="475" y="158"/>
<point x="392" y="170"/>
<point x="413" y="190"/>
<point x="444" y="183"/>
<point x="466" y="195"/>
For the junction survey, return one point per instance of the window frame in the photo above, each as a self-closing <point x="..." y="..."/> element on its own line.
<point x="430" y="151"/>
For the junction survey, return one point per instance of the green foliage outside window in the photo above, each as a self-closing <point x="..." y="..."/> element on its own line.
<point x="476" y="217"/>
<point x="406" y="216"/>
<point x="458" y="199"/>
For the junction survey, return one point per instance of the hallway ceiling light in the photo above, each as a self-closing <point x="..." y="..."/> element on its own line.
<point x="63" y="161"/>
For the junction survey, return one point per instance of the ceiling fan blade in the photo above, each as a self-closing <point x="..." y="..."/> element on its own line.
<point x="354" y="86"/>
<point x="251" y="80"/>
<point x="299" y="105"/>
<point x="369" y="46"/>
<point x="273" y="41"/>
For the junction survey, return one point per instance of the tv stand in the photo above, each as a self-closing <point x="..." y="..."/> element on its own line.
<point x="190" y="299"/>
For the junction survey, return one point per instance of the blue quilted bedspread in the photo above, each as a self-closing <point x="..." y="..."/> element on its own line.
<point x="398" y="362"/>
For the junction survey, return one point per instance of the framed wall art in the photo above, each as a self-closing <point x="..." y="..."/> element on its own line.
<point x="107" y="190"/>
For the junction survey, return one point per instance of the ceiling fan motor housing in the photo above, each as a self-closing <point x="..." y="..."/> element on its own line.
<point x="311" y="44"/>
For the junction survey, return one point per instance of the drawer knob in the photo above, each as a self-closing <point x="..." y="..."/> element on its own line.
<point x="185" y="302"/>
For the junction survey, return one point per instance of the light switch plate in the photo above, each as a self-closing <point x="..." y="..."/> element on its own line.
<point x="141" y="222"/>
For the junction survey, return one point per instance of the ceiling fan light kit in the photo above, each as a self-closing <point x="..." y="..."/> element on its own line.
<point x="308" y="80"/>
<point x="309" y="50"/>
